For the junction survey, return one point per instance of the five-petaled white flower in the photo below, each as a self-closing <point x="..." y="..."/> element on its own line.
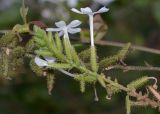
<point x="90" y="13"/>
<point x="44" y="62"/>
<point x="65" y="29"/>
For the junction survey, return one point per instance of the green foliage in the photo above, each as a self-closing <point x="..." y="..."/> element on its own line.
<point x="6" y="65"/>
<point x="112" y="60"/>
<point x="138" y="83"/>
<point x="12" y="52"/>
<point x="46" y="43"/>
<point x="58" y="43"/>
<point x="93" y="59"/>
<point x="86" y="78"/>
<point x="36" y="69"/>
<point x="85" y="55"/>
<point x="30" y="46"/>
<point x="44" y="53"/>
<point x="82" y="86"/>
<point x="8" y="38"/>
<point x="68" y="59"/>
<point x="24" y="12"/>
<point x="50" y="82"/>
<point x="10" y="61"/>
<point x="21" y="28"/>
<point x="111" y="89"/>
<point x="18" y="52"/>
<point x="67" y="48"/>
<point x="75" y="56"/>
<point x="60" y="66"/>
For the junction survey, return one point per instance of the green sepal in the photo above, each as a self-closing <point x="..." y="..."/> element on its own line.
<point x="93" y="59"/>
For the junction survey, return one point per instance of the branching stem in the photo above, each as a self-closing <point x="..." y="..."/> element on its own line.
<point x="134" y="47"/>
<point x="134" y="68"/>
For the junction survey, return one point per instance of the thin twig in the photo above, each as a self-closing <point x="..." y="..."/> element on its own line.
<point x="134" y="68"/>
<point x="67" y="73"/>
<point x="134" y="47"/>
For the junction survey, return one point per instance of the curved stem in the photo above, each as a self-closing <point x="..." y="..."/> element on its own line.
<point x="134" y="68"/>
<point x="118" y="44"/>
<point x="67" y="73"/>
<point x="134" y="47"/>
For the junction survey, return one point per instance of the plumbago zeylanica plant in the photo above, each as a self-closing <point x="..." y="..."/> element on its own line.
<point x="48" y="53"/>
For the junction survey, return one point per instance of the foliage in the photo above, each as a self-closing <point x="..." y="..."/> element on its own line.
<point x="14" y="50"/>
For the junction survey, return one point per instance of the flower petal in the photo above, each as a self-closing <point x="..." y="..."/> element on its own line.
<point x="40" y="62"/>
<point x="60" y="24"/>
<point x="74" y="23"/>
<point x="76" y="11"/>
<point x="50" y="59"/>
<point x="54" y="29"/>
<point x="74" y="30"/>
<point x="61" y="33"/>
<point x="86" y="10"/>
<point x="102" y="10"/>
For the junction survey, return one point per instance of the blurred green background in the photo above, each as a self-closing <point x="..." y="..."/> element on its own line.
<point x="136" y="21"/>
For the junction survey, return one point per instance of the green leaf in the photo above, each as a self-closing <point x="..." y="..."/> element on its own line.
<point x="122" y="53"/>
<point x="24" y="12"/>
<point x="39" y="41"/>
<point x="82" y="86"/>
<point x="50" y="42"/>
<point x="59" y="66"/>
<point x="86" y="78"/>
<point x="75" y="56"/>
<point x="138" y="83"/>
<point x="8" y="38"/>
<point x="67" y="47"/>
<point x="85" y="55"/>
<point x="44" y="53"/>
<point x="58" y="43"/>
<point x="112" y="60"/>
<point x="50" y="82"/>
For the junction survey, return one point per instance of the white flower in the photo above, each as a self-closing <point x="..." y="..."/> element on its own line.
<point x="44" y="62"/>
<point x="65" y="29"/>
<point x="90" y="13"/>
<point x="88" y="10"/>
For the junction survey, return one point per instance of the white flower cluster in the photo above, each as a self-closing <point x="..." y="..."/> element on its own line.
<point x="71" y="28"/>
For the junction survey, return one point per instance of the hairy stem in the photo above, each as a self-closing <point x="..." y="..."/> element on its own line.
<point x="134" y="47"/>
<point x="134" y="68"/>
